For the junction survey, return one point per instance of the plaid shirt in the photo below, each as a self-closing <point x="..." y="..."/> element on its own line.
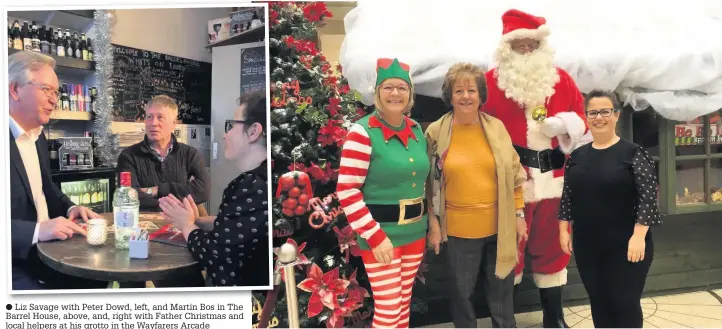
<point x="157" y="154"/>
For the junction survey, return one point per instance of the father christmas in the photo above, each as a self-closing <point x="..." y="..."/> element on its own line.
<point x="543" y="110"/>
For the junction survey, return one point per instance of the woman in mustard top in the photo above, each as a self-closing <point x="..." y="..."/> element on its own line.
<point x="475" y="200"/>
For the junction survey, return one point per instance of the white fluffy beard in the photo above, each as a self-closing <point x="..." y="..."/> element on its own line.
<point x="528" y="79"/>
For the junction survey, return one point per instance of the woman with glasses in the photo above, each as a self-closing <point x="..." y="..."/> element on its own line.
<point x="381" y="189"/>
<point x="610" y="196"/>
<point x="475" y="189"/>
<point x="233" y="245"/>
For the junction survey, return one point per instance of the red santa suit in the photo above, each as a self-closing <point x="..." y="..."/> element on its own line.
<point x="543" y="146"/>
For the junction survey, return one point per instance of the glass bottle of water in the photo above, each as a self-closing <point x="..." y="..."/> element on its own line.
<point x="126" y="208"/>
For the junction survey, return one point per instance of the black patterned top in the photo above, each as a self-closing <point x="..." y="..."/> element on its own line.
<point x="236" y="251"/>
<point x="608" y="191"/>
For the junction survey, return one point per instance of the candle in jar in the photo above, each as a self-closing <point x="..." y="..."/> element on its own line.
<point x="97" y="233"/>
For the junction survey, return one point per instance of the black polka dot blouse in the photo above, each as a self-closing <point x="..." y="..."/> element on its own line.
<point x="607" y="191"/>
<point x="236" y="251"/>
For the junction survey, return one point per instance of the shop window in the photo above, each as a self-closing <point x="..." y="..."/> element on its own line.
<point x="698" y="161"/>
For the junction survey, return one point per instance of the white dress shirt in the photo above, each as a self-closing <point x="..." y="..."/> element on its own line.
<point x="25" y="141"/>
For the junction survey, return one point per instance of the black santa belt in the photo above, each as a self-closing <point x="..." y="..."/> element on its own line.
<point x="544" y="160"/>
<point x="407" y="211"/>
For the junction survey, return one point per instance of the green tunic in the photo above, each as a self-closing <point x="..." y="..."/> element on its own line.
<point x="395" y="172"/>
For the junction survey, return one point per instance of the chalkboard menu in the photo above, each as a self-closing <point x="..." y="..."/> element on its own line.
<point x="253" y="69"/>
<point x="139" y="75"/>
<point x="75" y="153"/>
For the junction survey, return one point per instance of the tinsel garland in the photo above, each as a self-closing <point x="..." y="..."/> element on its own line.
<point x="107" y="144"/>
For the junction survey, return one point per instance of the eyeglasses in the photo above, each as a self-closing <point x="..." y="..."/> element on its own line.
<point x="604" y="112"/>
<point x="49" y="91"/>
<point x="389" y="89"/>
<point x="231" y="123"/>
<point x="528" y="47"/>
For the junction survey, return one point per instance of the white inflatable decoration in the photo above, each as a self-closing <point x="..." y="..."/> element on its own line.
<point x="667" y="54"/>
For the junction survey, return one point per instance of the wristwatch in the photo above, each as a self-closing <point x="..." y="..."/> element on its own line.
<point x="520" y="213"/>
<point x="149" y="191"/>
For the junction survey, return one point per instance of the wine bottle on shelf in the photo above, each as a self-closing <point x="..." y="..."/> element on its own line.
<point x="52" y="41"/>
<point x="91" y="54"/>
<point x="80" y="98"/>
<point x="27" y="41"/>
<point x="17" y="38"/>
<point x="76" y="46"/>
<point x="44" y="43"/>
<point x="84" y="46"/>
<point x="64" y="98"/>
<point x="86" y="92"/>
<point x="73" y="98"/>
<point x="60" y="44"/>
<point x="35" y="38"/>
<point x="10" y="36"/>
<point x="54" y="159"/>
<point x="69" y="50"/>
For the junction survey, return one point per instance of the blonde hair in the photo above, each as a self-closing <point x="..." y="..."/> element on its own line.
<point x="164" y="101"/>
<point x="21" y="64"/>
<point x="407" y="110"/>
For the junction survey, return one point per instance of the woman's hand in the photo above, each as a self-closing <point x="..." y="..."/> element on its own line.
<point x="192" y="202"/>
<point x="384" y="252"/>
<point x="635" y="251"/>
<point x="434" y="236"/>
<point x="521" y="232"/>
<point x="180" y="214"/>
<point x="565" y="240"/>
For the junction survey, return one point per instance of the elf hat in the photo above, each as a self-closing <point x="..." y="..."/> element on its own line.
<point x="519" y="25"/>
<point x="387" y="68"/>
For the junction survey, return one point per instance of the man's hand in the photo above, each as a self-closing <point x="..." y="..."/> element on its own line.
<point x="552" y="127"/>
<point x="79" y="212"/>
<point x="58" y="228"/>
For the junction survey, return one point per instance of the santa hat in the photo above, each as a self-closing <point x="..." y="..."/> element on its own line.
<point x="520" y="25"/>
<point x="387" y="68"/>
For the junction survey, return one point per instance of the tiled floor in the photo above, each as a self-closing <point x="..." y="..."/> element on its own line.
<point x="689" y="310"/>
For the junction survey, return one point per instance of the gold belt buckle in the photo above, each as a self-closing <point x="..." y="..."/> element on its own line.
<point x="402" y="210"/>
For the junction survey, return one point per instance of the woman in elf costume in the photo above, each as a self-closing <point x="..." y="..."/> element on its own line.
<point x="381" y="188"/>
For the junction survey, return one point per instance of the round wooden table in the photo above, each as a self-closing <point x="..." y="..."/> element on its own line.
<point x="76" y="257"/>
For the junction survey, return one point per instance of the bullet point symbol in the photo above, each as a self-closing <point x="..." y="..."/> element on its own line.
<point x="9" y="307"/>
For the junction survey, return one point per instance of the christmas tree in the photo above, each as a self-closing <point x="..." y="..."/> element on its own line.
<point x="312" y="108"/>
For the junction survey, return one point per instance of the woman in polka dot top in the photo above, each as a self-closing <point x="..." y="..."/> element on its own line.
<point x="233" y="247"/>
<point x="610" y="195"/>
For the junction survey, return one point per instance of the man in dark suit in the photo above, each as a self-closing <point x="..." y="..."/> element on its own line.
<point x="39" y="210"/>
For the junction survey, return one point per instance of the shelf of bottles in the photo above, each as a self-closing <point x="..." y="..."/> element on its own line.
<point x="77" y="102"/>
<point x="91" y="193"/>
<point x="70" y="50"/>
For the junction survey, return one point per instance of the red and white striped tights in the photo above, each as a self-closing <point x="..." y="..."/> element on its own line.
<point x="391" y="284"/>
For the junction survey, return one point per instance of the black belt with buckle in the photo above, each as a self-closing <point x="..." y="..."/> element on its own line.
<point x="544" y="160"/>
<point x="406" y="212"/>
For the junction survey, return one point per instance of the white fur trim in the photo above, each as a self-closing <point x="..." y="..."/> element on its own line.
<point x="517" y="278"/>
<point x="575" y="131"/>
<point x="538" y="34"/>
<point x="540" y="185"/>
<point x="550" y="280"/>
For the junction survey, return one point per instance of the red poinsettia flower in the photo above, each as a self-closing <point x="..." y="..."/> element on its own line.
<point x="345" y="89"/>
<point x="314" y="11"/>
<point x="345" y="310"/>
<point x="324" y="288"/>
<point x="273" y="16"/>
<point x="334" y="105"/>
<point x="331" y="133"/>
<point x="317" y="173"/>
<point x="331" y="174"/>
<point x="356" y="293"/>
<point x="290" y="42"/>
<point x="347" y="242"/>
